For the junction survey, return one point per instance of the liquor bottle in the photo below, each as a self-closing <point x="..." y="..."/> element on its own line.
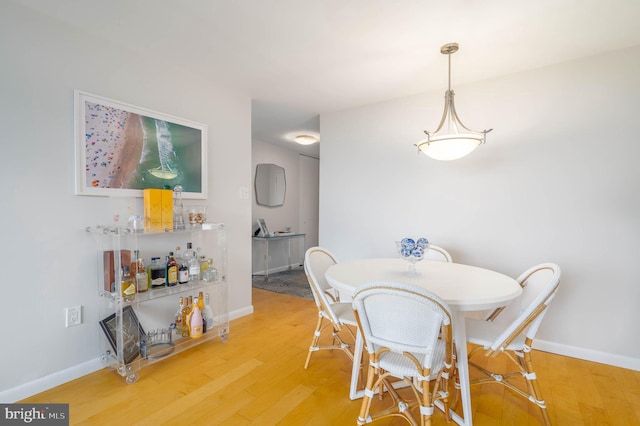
<point x="183" y="269"/>
<point x="156" y="273"/>
<point x="208" y="312"/>
<point x="201" y="306"/>
<point x="205" y="262"/>
<point x="191" y="259"/>
<point x="177" y="254"/>
<point x="127" y="285"/>
<point x="183" y="274"/>
<point x="172" y="270"/>
<point x="178" y="208"/>
<point x="185" y="313"/>
<point x="178" y="317"/>
<point x="211" y="273"/>
<point x="195" y="322"/>
<point x="140" y="274"/>
<point x="133" y="269"/>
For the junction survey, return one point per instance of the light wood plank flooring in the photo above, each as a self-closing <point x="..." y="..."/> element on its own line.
<point x="257" y="378"/>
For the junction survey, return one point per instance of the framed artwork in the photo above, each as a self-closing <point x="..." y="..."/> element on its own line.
<point x="264" y="231"/>
<point x="132" y="332"/>
<point x="122" y="149"/>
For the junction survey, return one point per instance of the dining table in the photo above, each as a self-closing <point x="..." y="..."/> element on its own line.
<point x="464" y="288"/>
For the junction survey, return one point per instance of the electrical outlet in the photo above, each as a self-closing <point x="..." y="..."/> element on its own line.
<point x="73" y="316"/>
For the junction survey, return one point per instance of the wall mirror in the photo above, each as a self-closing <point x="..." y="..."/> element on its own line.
<point x="270" y="184"/>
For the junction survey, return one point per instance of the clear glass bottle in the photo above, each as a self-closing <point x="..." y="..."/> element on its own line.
<point x="191" y="259"/>
<point x="133" y="270"/>
<point x="142" y="281"/>
<point x="204" y="265"/>
<point x="211" y="273"/>
<point x="178" y="317"/>
<point x="208" y="312"/>
<point x="177" y="254"/>
<point x="183" y="269"/>
<point x="156" y="273"/>
<point x="178" y="208"/>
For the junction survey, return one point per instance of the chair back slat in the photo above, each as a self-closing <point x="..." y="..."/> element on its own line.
<point x="316" y="262"/>
<point x="525" y="314"/>
<point x="401" y="317"/>
<point x="438" y="253"/>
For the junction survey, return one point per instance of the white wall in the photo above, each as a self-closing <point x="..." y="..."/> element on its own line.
<point x="557" y="181"/>
<point x="49" y="259"/>
<point x="280" y="217"/>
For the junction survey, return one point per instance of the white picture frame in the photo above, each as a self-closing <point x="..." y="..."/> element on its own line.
<point x="122" y="149"/>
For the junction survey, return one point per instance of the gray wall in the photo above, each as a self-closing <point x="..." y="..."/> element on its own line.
<point x="557" y="181"/>
<point x="50" y="259"/>
<point x="299" y="212"/>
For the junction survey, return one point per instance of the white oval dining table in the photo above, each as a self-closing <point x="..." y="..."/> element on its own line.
<point x="464" y="288"/>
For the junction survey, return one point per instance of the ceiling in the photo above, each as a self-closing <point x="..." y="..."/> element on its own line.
<point x="301" y="58"/>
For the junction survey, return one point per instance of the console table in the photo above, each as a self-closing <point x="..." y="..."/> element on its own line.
<point x="278" y="237"/>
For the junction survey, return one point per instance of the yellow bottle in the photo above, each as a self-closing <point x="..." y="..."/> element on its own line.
<point x="127" y="285"/>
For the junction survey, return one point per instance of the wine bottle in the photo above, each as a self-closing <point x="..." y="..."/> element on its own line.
<point x="195" y="322"/>
<point x="185" y="314"/>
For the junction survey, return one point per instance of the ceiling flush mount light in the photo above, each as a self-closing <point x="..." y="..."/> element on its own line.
<point x="452" y="139"/>
<point x="306" y="139"/>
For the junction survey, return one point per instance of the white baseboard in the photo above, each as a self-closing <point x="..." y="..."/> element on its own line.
<point x="52" y="380"/>
<point x="56" y="379"/>
<point x="278" y="269"/>
<point x="588" y="354"/>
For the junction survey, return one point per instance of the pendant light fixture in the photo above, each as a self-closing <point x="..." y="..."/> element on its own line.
<point x="306" y="139"/>
<point x="452" y="139"/>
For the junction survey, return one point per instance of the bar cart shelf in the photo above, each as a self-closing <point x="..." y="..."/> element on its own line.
<point x="139" y="331"/>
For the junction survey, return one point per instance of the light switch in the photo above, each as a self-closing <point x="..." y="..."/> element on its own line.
<point x="244" y="193"/>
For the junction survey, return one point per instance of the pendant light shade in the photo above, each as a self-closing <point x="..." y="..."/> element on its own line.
<point x="452" y="139"/>
<point x="305" y="139"/>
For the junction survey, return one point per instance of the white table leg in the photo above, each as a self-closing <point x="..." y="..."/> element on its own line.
<point x="460" y="337"/>
<point x="354" y="393"/>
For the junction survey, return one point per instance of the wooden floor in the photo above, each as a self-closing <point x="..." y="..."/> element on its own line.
<point x="257" y="378"/>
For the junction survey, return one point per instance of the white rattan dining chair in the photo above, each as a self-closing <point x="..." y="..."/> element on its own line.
<point x="512" y="332"/>
<point x="332" y="314"/>
<point x="437" y="253"/>
<point x="401" y="325"/>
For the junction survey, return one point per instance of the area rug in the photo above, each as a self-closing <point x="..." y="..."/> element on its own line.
<point x="293" y="282"/>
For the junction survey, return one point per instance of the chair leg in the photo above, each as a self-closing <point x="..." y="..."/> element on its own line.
<point x="534" y="386"/>
<point x="522" y="359"/>
<point x="363" y="417"/>
<point x="336" y="340"/>
<point x="314" y="341"/>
